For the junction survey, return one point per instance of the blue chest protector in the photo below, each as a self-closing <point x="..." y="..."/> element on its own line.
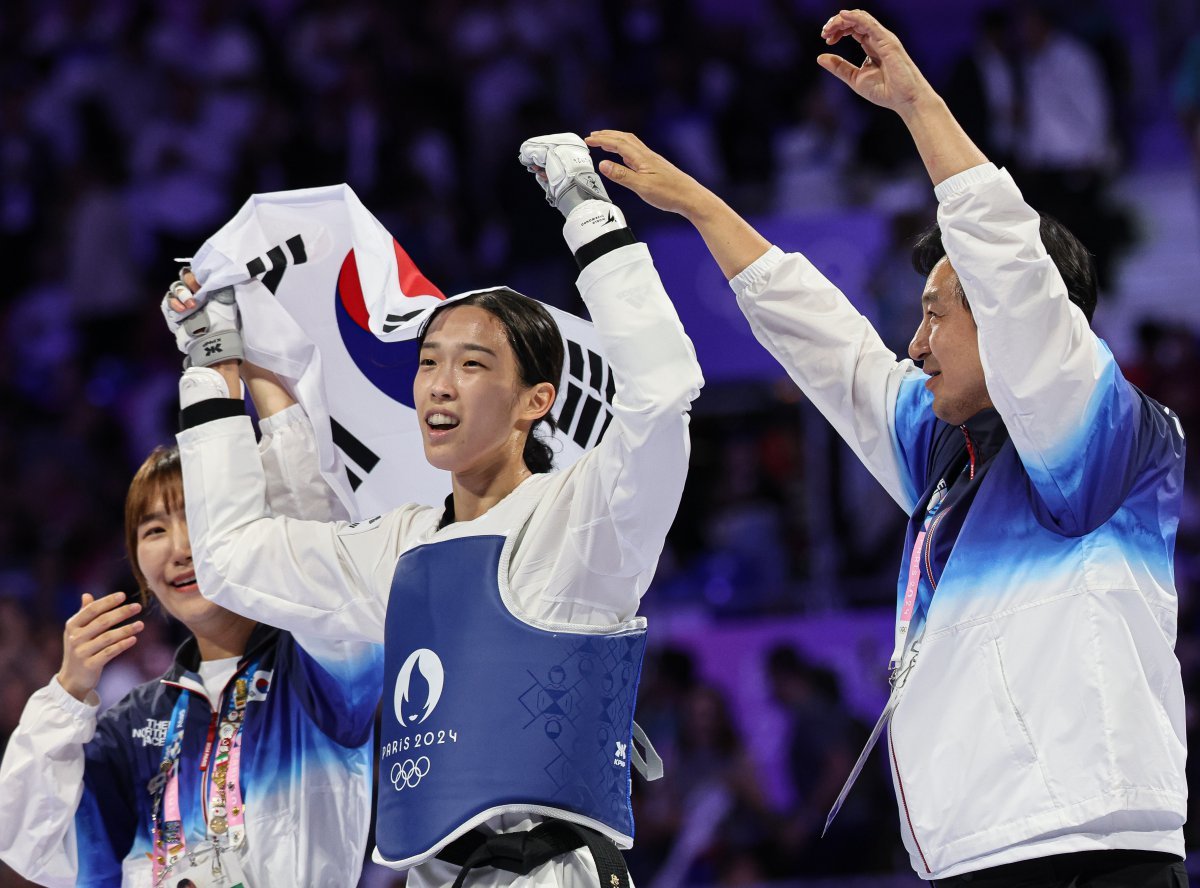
<point x="485" y="714"/>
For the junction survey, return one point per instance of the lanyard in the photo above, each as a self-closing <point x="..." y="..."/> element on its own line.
<point x="224" y="813"/>
<point x="915" y="608"/>
<point x="904" y="655"/>
<point x="916" y="595"/>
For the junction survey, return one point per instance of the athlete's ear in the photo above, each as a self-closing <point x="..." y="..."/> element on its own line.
<point x="537" y="401"/>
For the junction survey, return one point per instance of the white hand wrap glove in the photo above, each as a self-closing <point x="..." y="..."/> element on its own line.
<point x="208" y="333"/>
<point x="203" y="384"/>
<point x="563" y="166"/>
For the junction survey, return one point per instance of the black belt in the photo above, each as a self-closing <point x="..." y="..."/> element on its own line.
<point x="521" y="852"/>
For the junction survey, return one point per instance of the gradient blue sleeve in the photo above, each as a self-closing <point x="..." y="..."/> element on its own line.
<point x="1124" y="441"/>
<point x="914" y="425"/>
<point x="1085" y="436"/>
<point x="339" y="695"/>
<point x="106" y="820"/>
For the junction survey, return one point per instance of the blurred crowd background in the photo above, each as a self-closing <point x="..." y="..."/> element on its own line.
<point x="130" y="130"/>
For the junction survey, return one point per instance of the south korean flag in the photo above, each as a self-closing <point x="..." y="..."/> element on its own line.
<point x="332" y="304"/>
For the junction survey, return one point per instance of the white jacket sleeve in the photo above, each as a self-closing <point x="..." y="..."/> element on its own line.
<point x="292" y="466"/>
<point x="628" y="488"/>
<point x="41" y="782"/>
<point x="296" y="489"/>
<point x="328" y="580"/>
<point x="834" y="355"/>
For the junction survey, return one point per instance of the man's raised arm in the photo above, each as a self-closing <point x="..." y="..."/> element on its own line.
<point x="887" y="77"/>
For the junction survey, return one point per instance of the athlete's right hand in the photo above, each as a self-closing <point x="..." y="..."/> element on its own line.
<point x="208" y="329"/>
<point x="90" y="641"/>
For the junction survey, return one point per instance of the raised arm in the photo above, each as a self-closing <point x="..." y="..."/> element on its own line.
<point x="733" y="242"/>
<point x="295" y="486"/>
<point x="624" y="494"/>
<point x="887" y="77"/>
<point x="1084" y="434"/>
<point x="630" y="485"/>
<point x="261" y="522"/>
<point x="52" y="753"/>
<point x="826" y="346"/>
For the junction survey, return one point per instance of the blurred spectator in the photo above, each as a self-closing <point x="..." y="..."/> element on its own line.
<point x="720" y="823"/>
<point x="1166" y="367"/>
<point x="1066" y="150"/>
<point x="823" y="743"/>
<point x="668" y="679"/>
<point x="26" y="170"/>
<point x="983" y="88"/>
<point x="1186" y="97"/>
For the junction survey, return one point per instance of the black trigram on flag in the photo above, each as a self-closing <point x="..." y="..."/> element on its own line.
<point x="279" y="262"/>
<point x="588" y="401"/>
<point x="353" y="451"/>
<point x="392" y="321"/>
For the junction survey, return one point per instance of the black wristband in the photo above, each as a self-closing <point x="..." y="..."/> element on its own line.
<point x="605" y="243"/>
<point x="210" y="409"/>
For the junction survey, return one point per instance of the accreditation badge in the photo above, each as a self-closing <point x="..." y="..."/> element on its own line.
<point x="206" y="867"/>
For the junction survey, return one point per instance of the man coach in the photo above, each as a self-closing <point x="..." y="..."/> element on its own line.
<point x="1036" y="726"/>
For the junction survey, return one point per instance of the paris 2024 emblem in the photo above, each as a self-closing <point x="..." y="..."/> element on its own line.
<point x="419" y="687"/>
<point x="418" y="690"/>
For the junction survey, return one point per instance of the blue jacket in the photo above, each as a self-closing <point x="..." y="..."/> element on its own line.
<point x="305" y="770"/>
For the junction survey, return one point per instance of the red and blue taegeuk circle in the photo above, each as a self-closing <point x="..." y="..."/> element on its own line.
<point x="389" y="366"/>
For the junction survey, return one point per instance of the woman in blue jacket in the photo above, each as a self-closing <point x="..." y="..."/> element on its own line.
<point x="248" y="762"/>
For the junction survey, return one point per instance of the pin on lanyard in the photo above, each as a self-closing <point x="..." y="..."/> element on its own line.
<point x="907" y="647"/>
<point x="167" y="836"/>
<point x="224" y="813"/>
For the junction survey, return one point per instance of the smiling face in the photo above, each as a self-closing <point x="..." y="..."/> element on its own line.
<point x="164" y="558"/>
<point x="947" y="345"/>
<point x="160" y="553"/>
<point x="474" y="412"/>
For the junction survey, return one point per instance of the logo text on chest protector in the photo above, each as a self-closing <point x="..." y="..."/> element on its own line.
<point x="418" y="687"/>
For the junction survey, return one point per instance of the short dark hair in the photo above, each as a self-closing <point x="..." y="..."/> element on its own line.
<point x="1073" y="260"/>
<point x="536" y="344"/>
<point x="160" y="479"/>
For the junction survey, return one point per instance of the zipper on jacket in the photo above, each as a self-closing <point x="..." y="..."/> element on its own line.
<point x="903" y="800"/>
<point x="933" y="526"/>
<point x="211" y="739"/>
<point x="929" y="546"/>
<point x="210" y="743"/>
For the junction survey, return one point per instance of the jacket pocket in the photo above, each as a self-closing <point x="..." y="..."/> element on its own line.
<point x="1016" y="732"/>
<point x="968" y="757"/>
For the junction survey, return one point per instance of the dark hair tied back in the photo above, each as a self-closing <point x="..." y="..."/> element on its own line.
<point x="537" y="346"/>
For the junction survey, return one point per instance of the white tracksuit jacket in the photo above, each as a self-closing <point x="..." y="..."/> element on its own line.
<point x="1044" y="713"/>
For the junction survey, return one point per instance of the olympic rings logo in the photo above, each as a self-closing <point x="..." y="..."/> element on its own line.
<point x="409" y="773"/>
